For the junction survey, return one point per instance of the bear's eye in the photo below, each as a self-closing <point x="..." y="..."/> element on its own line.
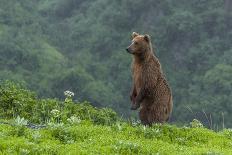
<point x="136" y="43"/>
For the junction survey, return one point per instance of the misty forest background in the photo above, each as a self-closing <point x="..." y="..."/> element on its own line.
<point x="79" y="45"/>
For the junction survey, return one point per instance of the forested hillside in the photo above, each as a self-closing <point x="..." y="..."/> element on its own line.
<point x="79" y="45"/>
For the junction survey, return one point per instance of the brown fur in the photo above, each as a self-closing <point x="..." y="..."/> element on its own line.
<point x="150" y="91"/>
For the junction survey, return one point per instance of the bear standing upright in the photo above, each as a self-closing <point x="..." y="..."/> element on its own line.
<point x="150" y="90"/>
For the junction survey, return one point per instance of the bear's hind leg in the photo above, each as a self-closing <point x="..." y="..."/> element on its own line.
<point x="143" y="116"/>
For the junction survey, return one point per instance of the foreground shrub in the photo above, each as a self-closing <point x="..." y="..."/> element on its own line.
<point x="14" y="101"/>
<point x="17" y="101"/>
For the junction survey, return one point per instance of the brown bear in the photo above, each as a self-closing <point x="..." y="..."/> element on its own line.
<point x="150" y="91"/>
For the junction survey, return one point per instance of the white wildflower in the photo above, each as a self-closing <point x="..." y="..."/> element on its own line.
<point x="74" y="120"/>
<point x="68" y="93"/>
<point x="196" y="124"/>
<point x="20" y="121"/>
<point x="55" y="113"/>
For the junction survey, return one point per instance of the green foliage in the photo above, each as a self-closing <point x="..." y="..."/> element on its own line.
<point x="87" y="138"/>
<point x="196" y="124"/>
<point x="16" y="101"/>
<point x="79" y="128"/>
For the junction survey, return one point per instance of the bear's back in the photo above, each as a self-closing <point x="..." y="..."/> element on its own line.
<point x="157" y="105"/>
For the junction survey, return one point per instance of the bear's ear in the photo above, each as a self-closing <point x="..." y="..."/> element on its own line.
<point x="147" y="38"/>
<point x="134" y="34"/>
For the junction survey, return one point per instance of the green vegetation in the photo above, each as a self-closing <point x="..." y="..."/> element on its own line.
<point x="16" y="101"/>
<point x="79" y="45"/>
<point x="49" y="46"/>
<point x="120" y="138"/>
<point x="47" y="126"/>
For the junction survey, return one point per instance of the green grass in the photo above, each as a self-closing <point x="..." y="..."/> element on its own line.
<point x="79" y="128"/>
<point x="119" y="138"/>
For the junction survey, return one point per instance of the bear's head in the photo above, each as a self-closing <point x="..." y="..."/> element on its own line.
<point x="140" y="44"/>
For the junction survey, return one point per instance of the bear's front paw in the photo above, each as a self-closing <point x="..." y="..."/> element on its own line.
<point x="131" y="97"/>
<point x="135" y="106"/>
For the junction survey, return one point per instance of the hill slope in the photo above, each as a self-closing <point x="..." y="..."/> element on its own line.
<point x="119" y="138"/>
<point x="29" y="125"/>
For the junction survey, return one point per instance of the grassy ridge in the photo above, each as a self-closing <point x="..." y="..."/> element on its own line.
<point x="68" y="127"/>
<point x="122" y="138"/>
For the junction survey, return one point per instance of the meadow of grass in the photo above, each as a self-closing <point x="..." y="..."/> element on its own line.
<point x="29" y="125"/>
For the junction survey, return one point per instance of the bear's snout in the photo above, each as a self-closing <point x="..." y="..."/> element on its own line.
<point x="128" y="50"/>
